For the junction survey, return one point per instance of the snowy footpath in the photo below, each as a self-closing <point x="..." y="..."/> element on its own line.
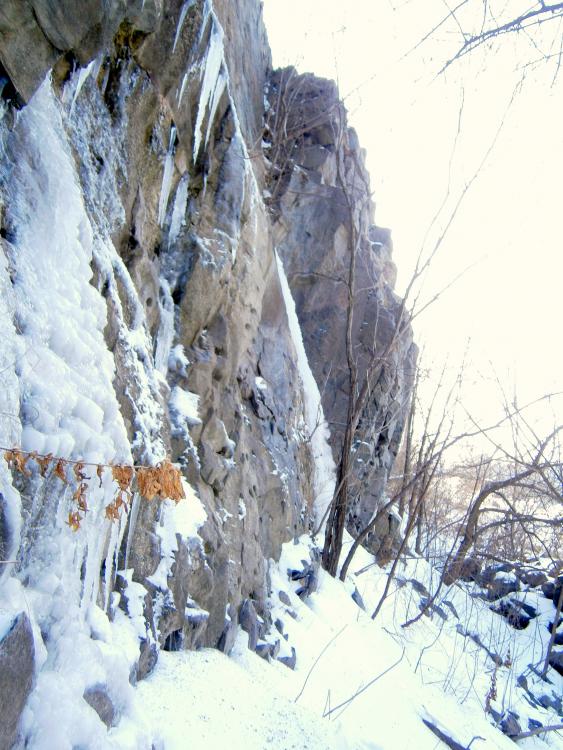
<point x="357" y="684"/>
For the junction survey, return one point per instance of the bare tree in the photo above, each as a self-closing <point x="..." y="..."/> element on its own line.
<point x="536" y="470"/>
<point x="481" y="23"/>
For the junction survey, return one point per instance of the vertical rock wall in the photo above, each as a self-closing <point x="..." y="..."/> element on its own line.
<point x="144" y="319"/>
<point x="318" y="186"/>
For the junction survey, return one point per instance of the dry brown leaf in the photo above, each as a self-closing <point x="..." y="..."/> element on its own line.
<point x="44" y="462"/>
<point x="17" y="460"/>
<point x="162" y="481"/>
<point x="112" y="512"/>
<point x="79" y="497"/>
<point x="147" y="481"/>
<point x="74" y="520"/>
<point x="78" y="470"/>
<point x="171" y="482"/>
<point x="60" y="470"/>
<point x="122" y="475"/>
<point x="100" y="473"/>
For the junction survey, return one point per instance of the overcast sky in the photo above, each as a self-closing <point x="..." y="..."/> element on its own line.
<point x="508" y="230"/>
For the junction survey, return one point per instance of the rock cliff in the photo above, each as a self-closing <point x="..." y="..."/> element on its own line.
<point x="145" y="184"/>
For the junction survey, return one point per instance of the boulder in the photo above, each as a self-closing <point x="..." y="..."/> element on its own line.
<point x="227" y="637"/>
<point x="284" y="598"/>
<point x="17" y="666"/>
<point x="515" y="613"/>
<point x="268" y="650"/>
<point x="502" y="584"/>
<point x="552" y="701"/>
<point x="470" y="569"/>
<point x="510" y="725"/>
<point x="308" y="575"/>
<point x="195" y="625"/>
<point x="148" y="657"/>
<point x="97" y="697"/>
<point x="556" y="661"/>
<point x="532" y="577"/>
<point x="488" y="574"/>
<point x="289" y="661"/>
<point x="248" y="620"/>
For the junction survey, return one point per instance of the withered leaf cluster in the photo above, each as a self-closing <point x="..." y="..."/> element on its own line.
<point x="163" y="481"/>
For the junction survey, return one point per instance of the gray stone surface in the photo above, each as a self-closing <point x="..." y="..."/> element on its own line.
<point x="289" y="661"/>
<point x="284" y="598"/>
<point x="308" y="577"/>
<point x="248" y="620"/>
<point x="310" y="180"/>
<point x="556" y="661"/>
<point x="470" y="569"/>
<point x="532" y="578"/>
<point x="510" y="724"/>
<point x="17" y="666"/>
<point x="148" y="657"/>
<point x="216" y="276"/>
<point x="97" y="697"/>
<point x="499" y="587"/>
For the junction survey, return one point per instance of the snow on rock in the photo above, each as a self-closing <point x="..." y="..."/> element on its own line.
<point x="167" y="177"/>
<point x="68" y="408"/>
<point x="183" y="519"/>
<point x="213" y="83"/>
<point x="317" y="427"/>
<point x="184" y="406"/>
<point x="179" y="209"/>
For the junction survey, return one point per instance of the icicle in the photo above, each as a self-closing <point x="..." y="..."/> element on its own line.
<point x="185" y="8"/>
<point x="166" y="330"/>
<point x="316" y="424"/>
<point x="182" y="88"/>
<point x="214" y="59"/>
<point x="133" y="514"/>
<point x="179" y="210"/>
<point x="83" y="75"/>
<point x="167" y="177"/>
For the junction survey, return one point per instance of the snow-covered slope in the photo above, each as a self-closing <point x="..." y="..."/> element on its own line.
<point x="357" y="684"/>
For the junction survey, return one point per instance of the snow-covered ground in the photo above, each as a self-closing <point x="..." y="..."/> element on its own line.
<point x="358" y="683"/>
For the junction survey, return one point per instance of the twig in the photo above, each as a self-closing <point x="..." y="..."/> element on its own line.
<point x="365" y="687"/>
<point x="317" y="661"/>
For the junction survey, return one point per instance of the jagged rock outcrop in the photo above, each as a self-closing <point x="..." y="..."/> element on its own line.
<point x="321" y="197"/>
<point x="17" y="666"/>
<point x="143" y="317"/>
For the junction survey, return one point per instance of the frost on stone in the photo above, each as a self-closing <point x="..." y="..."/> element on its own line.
<point x="184" y="407"/>
<point x="213" y="83"/>
<point x="165" y="335"/>
<point x="179" y="210"/>
<point x="318" y="432"/>
<point x="167" y="177"/>
<point x="185" y="8"/>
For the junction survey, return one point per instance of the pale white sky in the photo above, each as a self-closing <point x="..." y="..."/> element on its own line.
<point x="509" y="227"/>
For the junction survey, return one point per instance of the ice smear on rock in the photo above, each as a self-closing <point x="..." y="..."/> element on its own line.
<point x="167" y="177"/>
<point x="316" y="424"/>
<point x="69" y="408"/>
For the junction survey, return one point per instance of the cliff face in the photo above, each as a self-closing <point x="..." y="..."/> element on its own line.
<point x="143" y="317"/>
<point x="321" y="200"/>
